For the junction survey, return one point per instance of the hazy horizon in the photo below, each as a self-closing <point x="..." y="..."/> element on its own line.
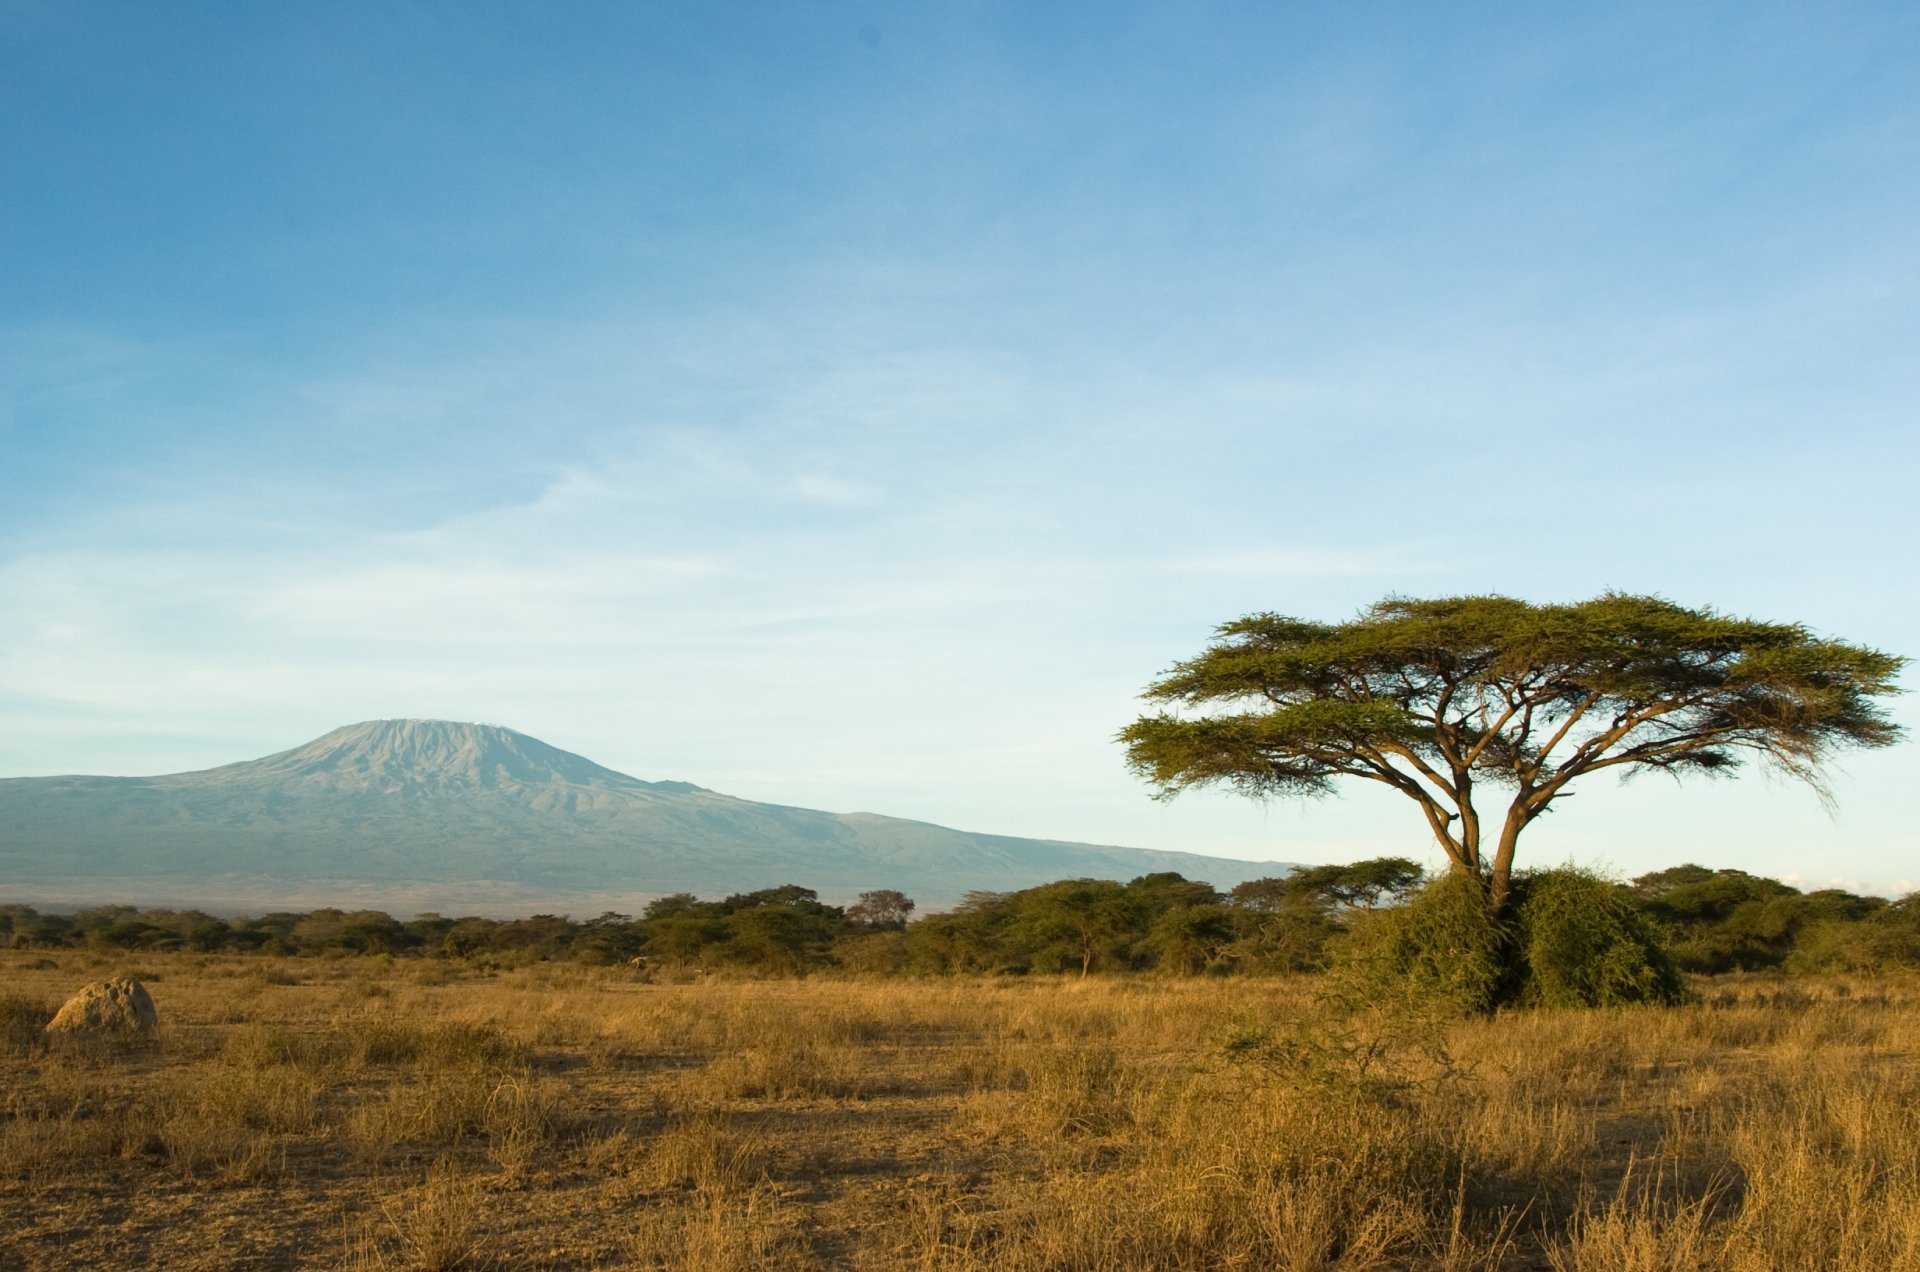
<point x="443" y="815"/>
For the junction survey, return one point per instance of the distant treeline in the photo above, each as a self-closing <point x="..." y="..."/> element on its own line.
<point x="1711" y="921"/>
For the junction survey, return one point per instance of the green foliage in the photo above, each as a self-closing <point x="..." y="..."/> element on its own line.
<point x="1885" y="937"/>
<point x="881" y="910"/>
<point x="1583" y="942"/>
<point x="970" y="938"/>
<point x="1568" y="938"/>
<point x="23" y="927"/>
<point x="609" y="940"/>
<point x="1288" y="924"/>
<point x="1191" y="939"/>
<point x="1362" y="885"/>
<point x="1573" y="939"/>
<point x="676" y="903"/>
<point x="1289" y="937"/>
<point x="1444" y="946"/>
<point x="1079" y="925"/>
<point x="1158" y="922"/>
<point x="685" y="938"/>
<point x="872" y="952"/>
<point x="1161" y="922"/>
<point x="789" y="895"/>
<point x="1444" y="700"/>
<point x="779" y="938"/>
<point x="1724" y="920"/>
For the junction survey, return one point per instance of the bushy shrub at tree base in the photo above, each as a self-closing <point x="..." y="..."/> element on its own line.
<point x="1582" y="942"/>
<point x="1572" y="939"/>
<point x="1443" y="946"/>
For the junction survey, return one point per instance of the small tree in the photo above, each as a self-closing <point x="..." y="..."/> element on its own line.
<point x="1192" y="938"/>
<point x="1722" y="920"/>
<point x="671" y="904"/>
<point x="1361" y="885"/>
<point x="1076" y="922"/>
<point x="882" y="910"/>
<point x="1444" y="700"/>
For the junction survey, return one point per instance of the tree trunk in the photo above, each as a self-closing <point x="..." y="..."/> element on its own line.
<point x="1500" y="881"/>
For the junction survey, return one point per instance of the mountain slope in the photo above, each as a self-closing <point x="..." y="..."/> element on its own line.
<point x="445" y="815"/>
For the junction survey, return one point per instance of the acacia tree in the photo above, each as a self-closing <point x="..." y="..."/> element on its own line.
<point x="883" y="910"/>
<point x="1482" y="710"/>
<point x="1361" y="885"/>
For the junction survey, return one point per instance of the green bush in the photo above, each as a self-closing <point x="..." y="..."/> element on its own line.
<point x="1885" y="940"/>
<point x="1583" y="942"/>
<point x="1443" y="946"/>
<point x="1569" y="939"/>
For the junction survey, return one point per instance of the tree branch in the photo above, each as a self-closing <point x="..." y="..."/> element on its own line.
<point x="1566" y="726"/>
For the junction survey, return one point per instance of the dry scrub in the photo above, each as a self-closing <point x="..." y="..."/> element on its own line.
<point x="372" y="1114"/>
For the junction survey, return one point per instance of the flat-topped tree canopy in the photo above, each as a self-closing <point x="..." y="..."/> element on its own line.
<point x="1445" y="699"/>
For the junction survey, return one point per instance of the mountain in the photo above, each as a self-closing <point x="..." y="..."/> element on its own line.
<point x="431" y="814"/>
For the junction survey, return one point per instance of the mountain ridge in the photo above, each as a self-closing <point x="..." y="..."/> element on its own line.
<point x="453" y="811"/>
<point x="399" y="753"/>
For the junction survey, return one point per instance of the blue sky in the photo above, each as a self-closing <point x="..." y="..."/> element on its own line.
<point x="855" y="406"/>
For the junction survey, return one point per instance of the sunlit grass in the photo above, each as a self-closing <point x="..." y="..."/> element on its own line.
<point x="322" y="1113"/>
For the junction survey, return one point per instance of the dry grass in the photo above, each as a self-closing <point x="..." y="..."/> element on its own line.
<point x="398" y="1115"/>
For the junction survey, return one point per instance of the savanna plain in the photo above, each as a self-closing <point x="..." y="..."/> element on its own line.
<point x="365" y="1112"/>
